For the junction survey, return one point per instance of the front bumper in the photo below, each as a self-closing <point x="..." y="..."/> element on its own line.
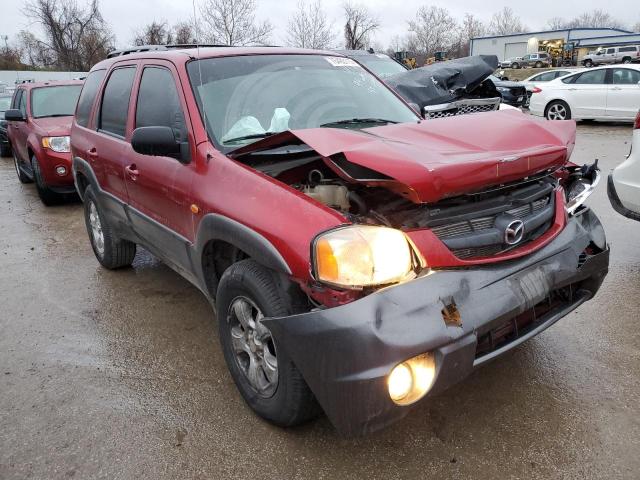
<point x="49" y="161"/>
<point x="345" y="353"/>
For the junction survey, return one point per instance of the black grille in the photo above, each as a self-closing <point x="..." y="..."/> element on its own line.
<point x="461" y="110"/>
<point x="481" y="231"/>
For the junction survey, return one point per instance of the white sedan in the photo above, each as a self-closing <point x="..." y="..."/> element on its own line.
<point x="610" y="93"/>
<point x="545" y="77"/>
<point x="624" y="181"/>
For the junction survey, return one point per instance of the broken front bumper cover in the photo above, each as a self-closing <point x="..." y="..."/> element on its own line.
<point x="345" y="353"/>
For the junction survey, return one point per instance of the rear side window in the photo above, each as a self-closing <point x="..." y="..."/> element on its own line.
<point x="88" y="96"/>
<point x="626" y="76"/>
<point x="545" y="77"/>
<point x="158" y="102"/>
<point x="593" y="77"/>
<point x="115" y="101"/>
<point x="627" y="49"/>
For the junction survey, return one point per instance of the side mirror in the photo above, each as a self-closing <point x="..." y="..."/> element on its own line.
<point x="14" y="115"/>
<point x="158" y="141"/>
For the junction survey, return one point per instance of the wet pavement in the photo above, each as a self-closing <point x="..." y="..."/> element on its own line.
<point x="119" y="374"/>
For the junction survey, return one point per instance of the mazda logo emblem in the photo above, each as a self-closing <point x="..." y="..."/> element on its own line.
<point x="514" y="232"/>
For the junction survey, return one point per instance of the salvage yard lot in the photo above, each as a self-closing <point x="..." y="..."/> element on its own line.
<point x="118" y="374"/>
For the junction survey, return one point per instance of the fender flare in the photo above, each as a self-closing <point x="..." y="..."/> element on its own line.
<point x="80" y="165"/>
<point x="214" y="226"/>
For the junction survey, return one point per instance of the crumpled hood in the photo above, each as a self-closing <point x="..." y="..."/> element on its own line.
<point x="55" y="126"/>
<point x="446" y="157"/>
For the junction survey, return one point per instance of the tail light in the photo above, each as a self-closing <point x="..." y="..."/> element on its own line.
<point x="536" y="90"/>
<point x="636" y="124"/>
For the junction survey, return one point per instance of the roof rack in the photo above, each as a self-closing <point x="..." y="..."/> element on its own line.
<point x="151" y="48"/>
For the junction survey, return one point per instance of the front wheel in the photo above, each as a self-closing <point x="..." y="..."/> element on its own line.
<point x="266" y="377"/>
<point x="48" y="196"/>
<point x="538" y="64"/>
<point x="21" y="175"/>
<point x="558" y="110"/>
<point x="588" y="63"/>
<point x="515" y="65"/>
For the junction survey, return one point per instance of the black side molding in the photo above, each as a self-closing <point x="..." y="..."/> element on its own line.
<point x="617" y="204"/>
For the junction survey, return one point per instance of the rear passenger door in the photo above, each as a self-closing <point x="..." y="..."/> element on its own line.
<point x="623" y="96"/>
<point x="587" y="94"/>
<point x="160" y="187"/>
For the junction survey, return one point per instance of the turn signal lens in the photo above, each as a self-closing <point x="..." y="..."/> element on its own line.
<point x="361" y="256"/>
<point x="410" y="380"/>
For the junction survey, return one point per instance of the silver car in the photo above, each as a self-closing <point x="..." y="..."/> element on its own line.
<point x="610" y="55"/>
<point x="536" y="60"/>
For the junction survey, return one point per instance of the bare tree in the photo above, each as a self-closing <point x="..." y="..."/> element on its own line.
<point x="556" y="23"/>
<point x="506" y="22"/>
<point x="471" y="28"/>
<point x="74" y="37"/>
<point x="184" y="33"/>
<point x="233" y="22"/>
<point x="154" y="33"/>
<point x="359" y="26"/>
<point x="433" y="30"/>
<point x="11" y="57"/>
<point x="636" y="27"/>
<point x="310" y="28"/>
<point x="594" y="19"/>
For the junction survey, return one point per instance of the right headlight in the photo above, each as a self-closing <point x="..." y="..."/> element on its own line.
<point x="580" y="190"/>
<point x="362" y="256"/>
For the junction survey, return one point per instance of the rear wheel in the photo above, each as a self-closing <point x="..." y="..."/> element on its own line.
<point x="111" y="251"/>
<point x="48" y="196"/>
<point x="558" y="110"/>
<point x="266" y="377"/>
<point x="21" y="175"/>
<point x="626" y="60"/>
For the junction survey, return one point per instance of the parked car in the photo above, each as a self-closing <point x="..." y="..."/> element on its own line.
<point x="544" y="77"/>
<point x="626" y="54"/>
<point x="536" y="60"/>
<point x="513" y="62"/>
<point x="513" y="93"/>
<point x="379" y="63"/>
<point x="5" y="103"/>
<point x="623" y="186"/>
<point x="610" y="93"/>
<point x="360" y="257"/>
<point x="38" y="128"/>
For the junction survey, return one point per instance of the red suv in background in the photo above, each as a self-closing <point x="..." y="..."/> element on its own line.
<point x="359" y="258"/>
<point x="39" y="123"/>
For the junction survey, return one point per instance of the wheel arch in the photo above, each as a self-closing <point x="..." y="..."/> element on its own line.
<point x="83" y="176"/>
<point x="557" y="99"/>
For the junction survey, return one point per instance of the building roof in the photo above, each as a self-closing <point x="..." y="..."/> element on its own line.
<point x="554" y="31"/>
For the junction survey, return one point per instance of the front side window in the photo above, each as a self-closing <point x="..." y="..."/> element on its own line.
<point x="626" y="76"/>
<point x="611" y="50"/>
<point x="115" y="101"/>
<point x="88" y="96"/>
<point x="244" y="98"/>
<point x="54" y="101"/>
<point x="593" y="77"/>
<point x="16" y="99"/>
<point x="158" y="103"/>
<point x="22" y="105"/>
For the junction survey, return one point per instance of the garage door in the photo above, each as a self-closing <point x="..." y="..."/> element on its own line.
<point x="512" y="50"/>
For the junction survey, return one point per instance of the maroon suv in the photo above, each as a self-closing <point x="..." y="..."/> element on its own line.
<point x="39" y="123"/>
<point x="359" y="257"/>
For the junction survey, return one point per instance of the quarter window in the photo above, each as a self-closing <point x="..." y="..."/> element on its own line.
<point x="115" y="101"/>
<point x="158" y="102"/>
<point x="593" y="77"/>
<point x="88" y="96"/>
<point x="626" y="76"/>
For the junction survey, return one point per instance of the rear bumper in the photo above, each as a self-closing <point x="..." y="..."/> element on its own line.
<point x="617" y="204"/>
<point x="345" y="353"/>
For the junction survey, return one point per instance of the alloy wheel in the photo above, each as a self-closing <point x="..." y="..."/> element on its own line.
<point x="557" y="111"/>
<point x="253" y="346"/>
<point x="96" y="229"/>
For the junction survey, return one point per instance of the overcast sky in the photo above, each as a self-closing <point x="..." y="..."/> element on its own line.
<point x="124" y="16"/>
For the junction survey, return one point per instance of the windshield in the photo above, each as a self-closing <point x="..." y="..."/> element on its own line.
<point x="381" y="65"/>
<point x="56" y="101"/>
<point x="246" y="98"/>
<point x="5" y="104"/>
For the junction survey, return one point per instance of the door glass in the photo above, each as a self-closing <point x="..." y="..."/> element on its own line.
<point x="115" y="101"/>
<point x="88" y="96"/>
<point x="611" y="50"/>
<point x="158" y="102"/>
<point x="16" y="99"/>
<point x="626" y="76"/>
<point x="593" y="77"/>
<point x="23" y="104"/>
<point x="546" y="76"/>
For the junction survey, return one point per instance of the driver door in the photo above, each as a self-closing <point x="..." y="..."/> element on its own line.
<point x="623" y="96"/>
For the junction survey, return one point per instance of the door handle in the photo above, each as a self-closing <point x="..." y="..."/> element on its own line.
<point x="92" y="153"/>
<point x="572" y="89"/>
<point x="132" y="171"/>
<point x="616" y="88"/>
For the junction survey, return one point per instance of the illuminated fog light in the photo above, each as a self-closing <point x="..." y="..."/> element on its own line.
<point x="60" y="170"/>
<point x="410" y="380"/>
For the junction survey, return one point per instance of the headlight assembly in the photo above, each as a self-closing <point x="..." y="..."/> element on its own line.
<point x="362" y="256"/>
<point x="580" y="189"/>
<point x="57" y="144"/>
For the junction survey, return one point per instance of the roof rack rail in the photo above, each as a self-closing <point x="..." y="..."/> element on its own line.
<point x="151" y="48"/>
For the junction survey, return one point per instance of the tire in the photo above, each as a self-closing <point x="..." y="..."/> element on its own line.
<point x="626" y="60"/>
<point x="48" y="196"/>
<point x="558" y="110"/>
<point x="538" y="65"/>
<point x="21" y="175"/>
<point x="280" y="396"/>
<point x="515" y="65"/>
<point x="112" y="252"/>
<point x="588" y="63"/>
<point x="5" y="150"/>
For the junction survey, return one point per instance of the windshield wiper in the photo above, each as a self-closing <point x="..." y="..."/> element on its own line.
<point x="357" y="121"/>
<point x="249" y="137"/>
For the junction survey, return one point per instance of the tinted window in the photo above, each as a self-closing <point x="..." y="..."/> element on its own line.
<point x="627" y="49"/>
<point x="626" y="76"/>
<point x="115" y="101"/>
<point x="611" y="50"/>
<point x="594" y="77"/>
<point x="58" y="101"/>
<point x="16" y="99"/>
<point x="88" y="95"/>
<point x="23" y="103"/>
<point x="545" y="77"/>
<point x="561" y="73"/>
<point x="158" y="102"/>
